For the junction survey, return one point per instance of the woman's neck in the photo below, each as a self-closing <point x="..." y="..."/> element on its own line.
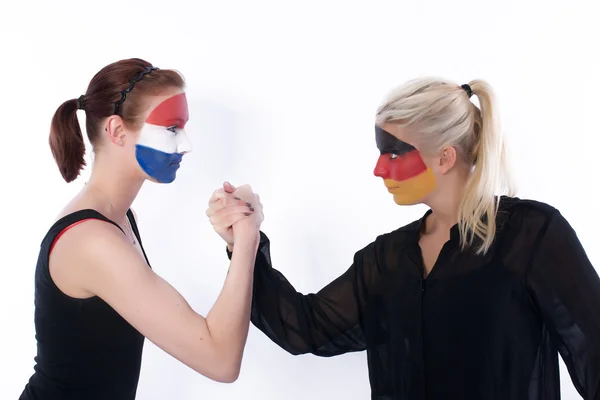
<point x="112" y="191"/>
<point x="445" y="205"/>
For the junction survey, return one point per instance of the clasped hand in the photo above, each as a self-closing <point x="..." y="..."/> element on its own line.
<point x="235" y="213"/>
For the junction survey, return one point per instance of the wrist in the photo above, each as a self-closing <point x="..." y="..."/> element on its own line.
<point x="248" y="241"/>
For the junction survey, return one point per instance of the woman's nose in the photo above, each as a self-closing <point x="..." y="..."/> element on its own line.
<point x="184" y="145"/>
<point x="381" y="168"/>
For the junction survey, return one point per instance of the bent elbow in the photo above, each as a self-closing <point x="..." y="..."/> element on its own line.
<point x="231" y="376"/>
<point x="222" y="371"/>
<point x="227" y="374"/>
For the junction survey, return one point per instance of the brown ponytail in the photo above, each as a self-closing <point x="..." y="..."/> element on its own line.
<point x="106" y="88"/>
<point x="66" y="141"/>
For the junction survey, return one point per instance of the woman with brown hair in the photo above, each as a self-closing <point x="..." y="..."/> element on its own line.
<point x="96" y="297"/>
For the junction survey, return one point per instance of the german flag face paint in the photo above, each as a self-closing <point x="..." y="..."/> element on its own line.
<point x="163" y="141"/>
<point x="403" y="170"/>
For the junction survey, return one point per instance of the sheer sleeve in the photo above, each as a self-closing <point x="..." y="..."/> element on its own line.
<point x="326" y="323"/>
<point x="566" y="289"/>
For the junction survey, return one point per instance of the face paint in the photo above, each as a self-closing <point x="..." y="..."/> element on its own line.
<point x="163" y="140"/>
<point x="403" y="171"/>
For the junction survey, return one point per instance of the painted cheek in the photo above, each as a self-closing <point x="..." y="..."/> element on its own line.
<point x="401" y="168"/>
<point x="156" y="153"/>
<point x="160" y="166"/>
<point x="406" y="166"/>
<point x="413" y="190"/>
<point x="158" y="138"/>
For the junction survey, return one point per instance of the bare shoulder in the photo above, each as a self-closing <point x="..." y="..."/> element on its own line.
<point x="88" y="251"/>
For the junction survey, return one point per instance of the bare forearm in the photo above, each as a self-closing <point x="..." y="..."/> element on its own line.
<point x="229" y="318"/>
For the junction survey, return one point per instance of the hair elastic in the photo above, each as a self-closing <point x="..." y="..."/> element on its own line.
<point x="467" y="89"/>
<point x="80" y="102"/>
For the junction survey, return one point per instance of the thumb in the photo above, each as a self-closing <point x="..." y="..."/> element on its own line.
<point x="228" y="187"/>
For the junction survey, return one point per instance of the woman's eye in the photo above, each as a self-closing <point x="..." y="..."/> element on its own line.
<point x="172" y="128"/>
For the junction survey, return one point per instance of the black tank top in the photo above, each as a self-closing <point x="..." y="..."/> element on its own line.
<point x="85" y="349"/>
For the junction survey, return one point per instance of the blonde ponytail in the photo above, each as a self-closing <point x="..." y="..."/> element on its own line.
<point x="479" y="205"/>
<point x="441" y="114"/>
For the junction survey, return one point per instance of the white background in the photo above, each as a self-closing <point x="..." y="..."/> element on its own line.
<point x="282" y="96"/>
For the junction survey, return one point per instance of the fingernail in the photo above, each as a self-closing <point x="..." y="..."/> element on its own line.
<point x="247" y="214"/>
<point x="248" y="205"/>
<point x="251" y="209"/>
<point x="237" y="198"/>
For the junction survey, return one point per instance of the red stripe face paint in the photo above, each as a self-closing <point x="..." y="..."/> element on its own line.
<point x="403" y="170"/>
<point x="171" y="112"/>
<point x="400" y="167"/>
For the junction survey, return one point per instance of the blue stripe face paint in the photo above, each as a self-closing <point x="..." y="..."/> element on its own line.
<point x="160" y="166"/>
<point x="163" y="141"/>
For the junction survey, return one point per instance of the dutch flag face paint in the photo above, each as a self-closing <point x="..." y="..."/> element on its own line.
<point x="163" y="141"/>
<point x="403" y="170"/>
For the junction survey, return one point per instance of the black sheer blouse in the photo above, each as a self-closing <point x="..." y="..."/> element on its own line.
<point x="479" y="327"/>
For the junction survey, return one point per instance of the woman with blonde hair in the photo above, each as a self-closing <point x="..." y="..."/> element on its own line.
<point x="476" y="299"/>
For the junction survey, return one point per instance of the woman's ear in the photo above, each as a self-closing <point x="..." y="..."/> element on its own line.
<point x="115" y="130"/>
<point x="447" y="159"/>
